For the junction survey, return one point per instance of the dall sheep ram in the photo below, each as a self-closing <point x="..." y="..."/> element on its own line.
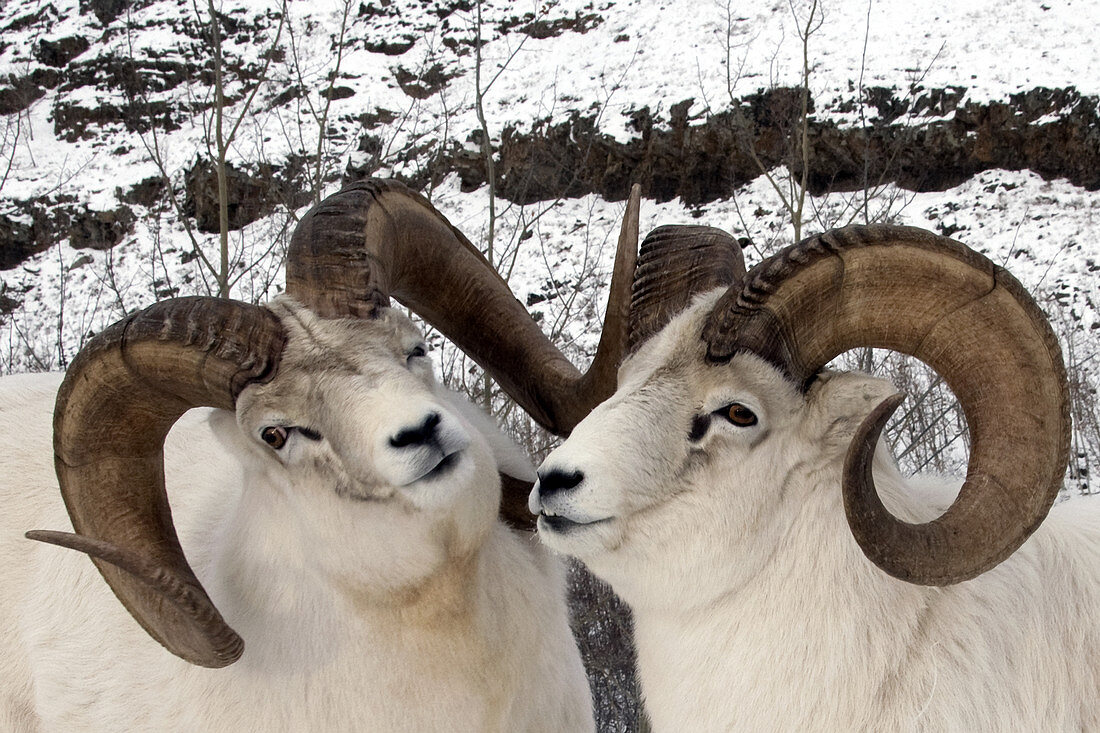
<point x="725" y="492"/>
<point x="337" y="509"/>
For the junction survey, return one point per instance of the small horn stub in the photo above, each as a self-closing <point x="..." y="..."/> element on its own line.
<point x="930" y="297"/>
<point x="676" y="263"/>
<point x="120" y="397"/>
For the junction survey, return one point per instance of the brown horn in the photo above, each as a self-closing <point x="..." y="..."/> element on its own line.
<point x="930" y="297"/>
<point x="378" y="239"/>
<point x="121" y="396"/>
<point x="676" y="262"/>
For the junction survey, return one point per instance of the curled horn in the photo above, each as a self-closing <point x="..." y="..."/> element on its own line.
<point x="120" y="397"/>
<point x="932" y="298"/>
<point x="377" y="239"/>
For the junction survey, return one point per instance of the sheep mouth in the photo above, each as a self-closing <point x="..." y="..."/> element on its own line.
<point x="564" y="525"/>
<point x="444" y="467"/>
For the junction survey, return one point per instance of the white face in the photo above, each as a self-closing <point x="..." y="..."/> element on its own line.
<point x="674" y="478"/>
<point x="354" y="430"/>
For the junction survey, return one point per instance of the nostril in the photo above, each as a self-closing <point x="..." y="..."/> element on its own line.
<point x="418" y="435"/>
<point x="555" y="480"/>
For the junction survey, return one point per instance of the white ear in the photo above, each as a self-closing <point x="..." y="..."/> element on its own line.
<point x="838" y="402"/>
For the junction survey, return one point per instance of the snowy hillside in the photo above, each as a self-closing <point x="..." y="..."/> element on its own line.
<point x="108" y="197"/>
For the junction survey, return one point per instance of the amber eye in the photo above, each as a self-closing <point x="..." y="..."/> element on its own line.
<point x="740" y="415"/>
<point x="274" y="436"/>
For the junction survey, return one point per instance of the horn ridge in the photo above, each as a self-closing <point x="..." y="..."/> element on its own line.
<point x="675" y="263"/>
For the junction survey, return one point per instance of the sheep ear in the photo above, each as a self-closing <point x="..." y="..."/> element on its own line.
<point x="838" y="403"/>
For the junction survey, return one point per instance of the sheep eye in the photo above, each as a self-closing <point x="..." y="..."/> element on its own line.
<point x="417" y="352"/>
<point x="274" y="435"/>
<point x="740" y="415"/>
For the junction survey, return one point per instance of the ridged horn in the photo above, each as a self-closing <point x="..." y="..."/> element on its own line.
<point x="935" y="299"/>
<point x="377" y="239"/>
<point x="120" y="397"/>
<point x="675" y="263"/>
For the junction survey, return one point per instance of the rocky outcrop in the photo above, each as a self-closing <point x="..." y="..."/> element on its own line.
<point x="424" y="83"/>
<point x="107" y="11"/>
<point x="19" y="92"/>
<point x="1053" y="132"/>
<point x="542" y="26"/>
<point x="60" y="52"/>
<point x="251" y="194"/>
<point x="932" y="142"/>
<point x="100" y="230"/>
<point x="35" y="226"/>
<point x="21" y="236"/>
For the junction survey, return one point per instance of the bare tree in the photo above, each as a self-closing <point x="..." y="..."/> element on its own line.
<point x="222" y="139"/>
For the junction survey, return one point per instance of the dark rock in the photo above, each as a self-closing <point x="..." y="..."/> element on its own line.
<point x="148" y="193"/>
<point x="60" y="52"/>
<point x="18" y="241"/>
<point x="282" y="98"/>
<point x="48" y="78"/>
<point x="105" y="10"/>
<point x="56" y="219"/>
<point x="370" y="144"/>
<point x="337" y="93"/>
<point x="445" y="8"/>
<point x="390" y="47"/>
<point x="939" y="102"/>
<point x="379" y="116"/>
<point x="935" y="156"/>
<point x="698" y="163"/>
<point x="30" y="20"/>
<point x="133" y="76"/>
<point x="100" y="230"/>
<point x="550" y="27"/>
<point x="8" y="304"/>
<point x="18" y="93"/>
<point x="423" y="85"/>
<point x="250" y="195"/>
<point x="370" y="10"/>
<point x="1055" y="133"/>
<point x="887" y="106"/>
<point x="72" y="122"/>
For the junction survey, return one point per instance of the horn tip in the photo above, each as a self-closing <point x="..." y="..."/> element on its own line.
<point x="50" y="537"/>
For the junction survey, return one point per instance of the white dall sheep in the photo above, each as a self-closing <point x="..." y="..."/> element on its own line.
<point x="338" y="512"/>
<point x="714" y="493"/>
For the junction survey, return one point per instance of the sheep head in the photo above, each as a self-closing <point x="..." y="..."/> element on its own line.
<point x="732" y="389"/>
<point x="369" y="451"/>
<point x="315" y="382"/>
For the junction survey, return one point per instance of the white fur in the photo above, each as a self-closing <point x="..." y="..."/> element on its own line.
<point x="371" y="595"/>
<point x="754" y="607"/>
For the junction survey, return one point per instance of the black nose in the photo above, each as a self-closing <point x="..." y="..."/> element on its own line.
<point x="554" y="480"/>
<point x="421" y="434"/>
